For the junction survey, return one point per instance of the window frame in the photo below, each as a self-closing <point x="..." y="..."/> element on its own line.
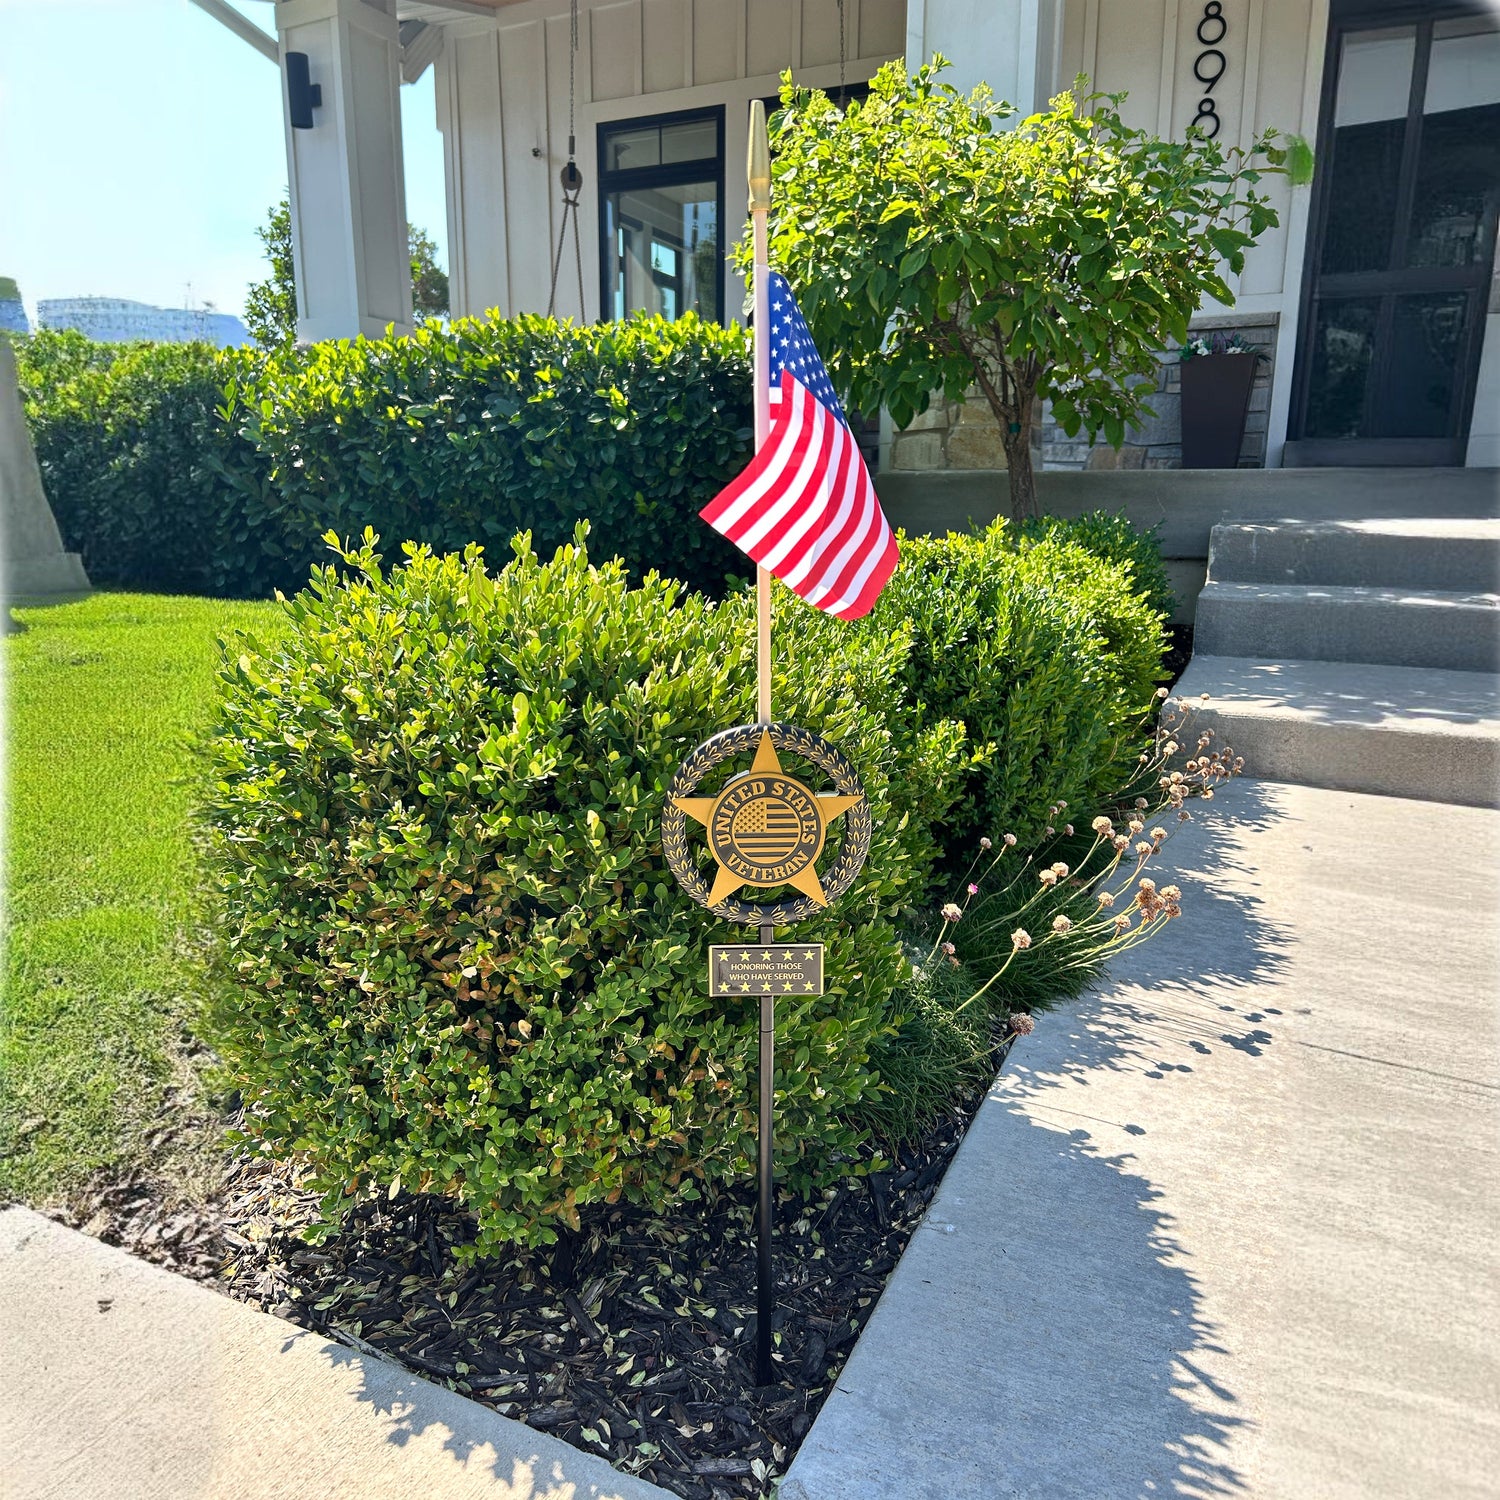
<point x="674" y="174"/>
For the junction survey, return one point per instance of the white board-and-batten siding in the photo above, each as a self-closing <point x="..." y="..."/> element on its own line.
<point x="502" y="104"/>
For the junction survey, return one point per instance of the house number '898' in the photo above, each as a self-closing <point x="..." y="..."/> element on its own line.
<point x="1209" y="65"/>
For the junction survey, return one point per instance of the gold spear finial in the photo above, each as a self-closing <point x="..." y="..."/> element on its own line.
<point x="758" y="166"/>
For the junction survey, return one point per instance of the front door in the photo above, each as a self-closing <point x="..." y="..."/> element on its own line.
<point x="1402" y="238"/>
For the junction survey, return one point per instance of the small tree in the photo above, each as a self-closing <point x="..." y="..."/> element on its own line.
<point x="271" y="305"/>
<point x="933" y="250"/>
<point x="429" y="281"/>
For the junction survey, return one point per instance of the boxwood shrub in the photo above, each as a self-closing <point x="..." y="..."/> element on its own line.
<point x="462" y="964"/>
<point x="1046" y="653"/>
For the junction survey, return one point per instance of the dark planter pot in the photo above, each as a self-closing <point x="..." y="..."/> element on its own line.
<point x="1215" y="400"/>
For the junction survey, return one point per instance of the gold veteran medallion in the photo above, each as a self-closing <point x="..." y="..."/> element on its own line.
<point x="766" y="828"/>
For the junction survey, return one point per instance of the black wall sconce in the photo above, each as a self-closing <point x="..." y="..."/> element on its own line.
<point x="302" y="95"/>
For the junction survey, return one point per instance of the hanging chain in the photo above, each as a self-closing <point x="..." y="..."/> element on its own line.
<point x="572" y="182"/>
<point x="572" y="62"/>
<point x="843" y="50"/>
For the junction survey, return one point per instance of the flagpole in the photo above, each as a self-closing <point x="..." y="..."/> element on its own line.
<point x="758" y="172"/>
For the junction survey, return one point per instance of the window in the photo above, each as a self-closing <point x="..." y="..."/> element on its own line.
<point x="661" y="211"/>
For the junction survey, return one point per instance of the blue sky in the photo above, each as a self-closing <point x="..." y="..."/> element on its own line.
<point x="141" y="146"/>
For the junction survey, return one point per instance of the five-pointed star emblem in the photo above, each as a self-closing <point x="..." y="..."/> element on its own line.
<point x="766" y="763"/>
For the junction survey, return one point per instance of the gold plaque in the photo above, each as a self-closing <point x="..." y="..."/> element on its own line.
<point x="769" y="969"/>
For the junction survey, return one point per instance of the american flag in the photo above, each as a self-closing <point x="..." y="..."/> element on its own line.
<point x="805" y="507"/>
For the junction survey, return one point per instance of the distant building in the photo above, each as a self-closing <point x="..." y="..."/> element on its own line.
<point x="118" y="319"/>
<point x="12" y="310"/>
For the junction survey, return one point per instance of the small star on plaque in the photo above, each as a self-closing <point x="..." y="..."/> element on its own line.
<point x="808" y="986"/>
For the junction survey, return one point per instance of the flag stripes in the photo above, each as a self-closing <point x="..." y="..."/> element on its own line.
<point x="806" y="510"/>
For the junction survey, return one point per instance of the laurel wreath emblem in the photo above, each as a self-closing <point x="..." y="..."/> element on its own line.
<point x="856" y="825"/>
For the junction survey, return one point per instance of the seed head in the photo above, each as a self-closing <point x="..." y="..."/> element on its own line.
<point x="1047" y="877"/>
<point x="985" y="844"/>
<point x="1068" y="829"/>
<point x="1059" y="869"/>
<point x="1022" y="1024"/>
<point x="951" y="911"/>
<point x="1102" y="825"/>
<point x="1009" y="840"/>
<point x="1061" y="924"/>
<point x="1105" y="898"/>
<point x="1020" y="938"/>
<point x="949" y="949"/>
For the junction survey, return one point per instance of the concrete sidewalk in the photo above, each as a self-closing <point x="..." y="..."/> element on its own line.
<point x="121" y="1381"/>
<point x="1227" y="1226"/>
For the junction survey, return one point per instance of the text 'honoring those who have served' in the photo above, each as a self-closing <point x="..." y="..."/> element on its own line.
<point x="775" y="969"/>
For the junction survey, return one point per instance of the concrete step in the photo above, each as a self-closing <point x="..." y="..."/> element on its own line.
<point x="1338" y="622"/>
<point x="1396" y="731"/>
<point x="1412" y="553"/>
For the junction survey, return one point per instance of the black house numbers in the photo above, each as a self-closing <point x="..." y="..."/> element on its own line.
<point x="1209" y="65"/>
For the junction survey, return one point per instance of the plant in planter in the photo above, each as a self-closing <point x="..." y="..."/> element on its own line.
<point x="1217" y="373"/>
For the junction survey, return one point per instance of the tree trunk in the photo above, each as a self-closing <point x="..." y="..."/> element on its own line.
<point x="1017" y="440"/>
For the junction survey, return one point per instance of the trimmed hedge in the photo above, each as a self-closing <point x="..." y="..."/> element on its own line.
<point x="181" y="466"/>
<point x="1043" y="650"/>
<point x="133" y="455"/>
<point x="1112" y="538"/>
<point x="463" y="964"/>
<point x="496" y="426"/>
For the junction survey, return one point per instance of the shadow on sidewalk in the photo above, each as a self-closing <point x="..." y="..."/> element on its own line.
<point x="1118" y="1398"/>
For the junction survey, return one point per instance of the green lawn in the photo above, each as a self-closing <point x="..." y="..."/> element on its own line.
<point x="99" y="890"/>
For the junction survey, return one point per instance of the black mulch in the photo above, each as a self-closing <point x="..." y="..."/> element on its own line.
<point x="1179" y="652"/>
<point x="632" y="1338"/>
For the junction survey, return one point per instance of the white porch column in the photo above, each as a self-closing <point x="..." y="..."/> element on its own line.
<point x="1012" y="45"/>
<point x="348" y="194"/>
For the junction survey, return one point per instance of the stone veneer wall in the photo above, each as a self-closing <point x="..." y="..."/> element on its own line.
<point x="963" y="435"/>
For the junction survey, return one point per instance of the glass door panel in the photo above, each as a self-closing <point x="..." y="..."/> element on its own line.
<point x="1426" y="338"/>
<point x="661" y="194"/>
<point x="1343" y="347"/>
<point x="1407" y="199"/>
<point x="666" y="246"/>
<point x="1369" y="136"/>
